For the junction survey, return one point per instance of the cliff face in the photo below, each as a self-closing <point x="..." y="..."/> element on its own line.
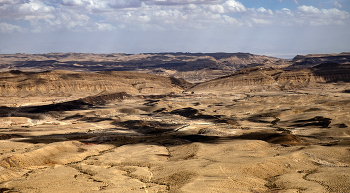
<point x="331" y="72"/>
<point x="17" y="83"/>
<point x="260" y="78"/>
<point x="310" y="60"/>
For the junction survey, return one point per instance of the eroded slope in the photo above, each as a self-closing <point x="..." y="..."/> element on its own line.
<point x="66" y="83"/>
<point x="270" y="79"/>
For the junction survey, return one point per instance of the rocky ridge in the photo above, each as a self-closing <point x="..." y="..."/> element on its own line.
<point x="263" y="79"/>
<point x="66" y="83"/>
<point x="310" y="60"/>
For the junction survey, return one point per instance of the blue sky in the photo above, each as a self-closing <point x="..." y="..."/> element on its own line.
<point x="281" y="28"/>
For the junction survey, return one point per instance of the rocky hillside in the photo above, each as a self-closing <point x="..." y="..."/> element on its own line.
<point x="262" y="79"/>
<point x="66" y="83"/>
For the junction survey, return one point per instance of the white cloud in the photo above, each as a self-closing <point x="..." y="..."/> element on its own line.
<point x="260" y="17"/>
<point x="315" y="17"/>
<point x="74" y="2"/>
<point x="120" y="4"/>
<point x="262" y="10"/>
<point x="190" y="7"/>
<point x="308" y="10"/>
<point x="337" y="4"/>
<point x="105" y="27"/>
<point x="234" y="6"/>
<point x="192" y="14"/>
<point x="216" y="8"/>
<point x="286" y="11"/>
<point x="335" y="14"/>
<point x="183" y="2"/>
<point x="261" y="21"/>
<point x="2" y="2"/>
<point x="33" y="8"/>
<point x="231" y="21"/>
<point x="9" y="28"/>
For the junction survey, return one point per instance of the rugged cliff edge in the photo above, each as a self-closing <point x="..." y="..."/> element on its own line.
<point x="310" y="60"/>
<point x="262" y="79"/>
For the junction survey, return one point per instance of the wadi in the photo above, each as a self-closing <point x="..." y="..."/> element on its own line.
<point x="174" y="122"/>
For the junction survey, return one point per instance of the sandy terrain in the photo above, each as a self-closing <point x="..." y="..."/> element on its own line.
<point x="239" y="142"/>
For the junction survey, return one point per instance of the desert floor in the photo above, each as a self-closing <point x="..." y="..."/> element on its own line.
<point x="297" y="141"/>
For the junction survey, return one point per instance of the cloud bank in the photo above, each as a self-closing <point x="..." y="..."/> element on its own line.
<point x="109" y="15"/>
<point x="143" y="16"/>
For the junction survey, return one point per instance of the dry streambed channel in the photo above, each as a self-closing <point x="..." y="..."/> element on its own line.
<point x="242" y="142"/>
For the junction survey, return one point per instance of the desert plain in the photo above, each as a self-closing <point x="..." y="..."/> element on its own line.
<point x="258" y="129"/>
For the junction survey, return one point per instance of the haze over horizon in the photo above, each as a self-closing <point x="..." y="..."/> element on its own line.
<point x="280" y="28"/>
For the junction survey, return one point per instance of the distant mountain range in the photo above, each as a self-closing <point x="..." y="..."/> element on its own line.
<point x="193" y="67"/>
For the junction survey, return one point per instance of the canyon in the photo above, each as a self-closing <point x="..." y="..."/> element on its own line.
<point x="174" y="122"/>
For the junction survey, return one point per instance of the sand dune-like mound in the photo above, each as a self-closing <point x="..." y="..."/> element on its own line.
<point x="263" y="79"/>
<point x="17" y="83"/>
<point x="243" y="142"/>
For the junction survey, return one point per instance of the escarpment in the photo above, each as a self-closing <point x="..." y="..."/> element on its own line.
<point x="311" y="60"/>
<point x="17" y="83"/>
<point x="260" y="78"/>
<point x="331" y="72"/>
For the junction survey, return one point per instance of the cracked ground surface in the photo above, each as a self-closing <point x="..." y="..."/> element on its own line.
<point x="244" y="142"/>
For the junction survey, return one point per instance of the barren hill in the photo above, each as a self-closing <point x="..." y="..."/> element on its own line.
<point x="66" y="83"/>
<point x="262" y="79"/>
